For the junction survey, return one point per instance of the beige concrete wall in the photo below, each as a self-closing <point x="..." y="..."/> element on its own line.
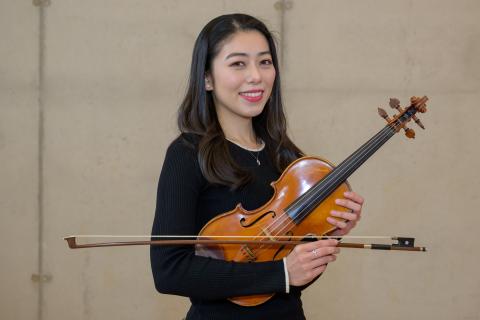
<point x="364" y="52"/>
<point x="19" y="159"/>
<point x="112" y="76"/>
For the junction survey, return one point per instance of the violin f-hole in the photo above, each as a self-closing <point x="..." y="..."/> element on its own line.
<point x="244" y="224"/>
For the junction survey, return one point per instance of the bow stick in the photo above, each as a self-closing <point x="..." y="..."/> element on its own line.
<point x="398" y="243"/>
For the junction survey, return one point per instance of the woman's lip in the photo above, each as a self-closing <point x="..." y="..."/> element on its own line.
<point x="252" y="91"/>
<point x="254" y="98"/>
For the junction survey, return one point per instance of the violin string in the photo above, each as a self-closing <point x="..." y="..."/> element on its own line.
<point x="370" y="145"/>
<point x="280" y="222"/>
<point x="375" y="142"/>
<point x="286" y="226"/>
<point x="383" y="136"/>
<point x="336" y="178"/>
<point x="387" y="132"/>
<point x="313" y="194"/>
<point x="365" y="148"/>
<point x="306" y="198"/>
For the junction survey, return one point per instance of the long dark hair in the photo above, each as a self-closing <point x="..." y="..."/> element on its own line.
<point x="197" y="113"/>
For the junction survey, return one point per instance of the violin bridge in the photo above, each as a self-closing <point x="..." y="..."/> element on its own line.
<point x="268" y="234"/>
<point x="249" y="254"/>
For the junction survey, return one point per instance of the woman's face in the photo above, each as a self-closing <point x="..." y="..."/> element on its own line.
<point x="242" y="76"/>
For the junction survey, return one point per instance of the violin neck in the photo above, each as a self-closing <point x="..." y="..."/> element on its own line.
<point x="306" y="203"/>
<point x="356" y="159"/>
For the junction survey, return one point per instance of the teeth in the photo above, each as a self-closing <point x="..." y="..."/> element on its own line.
<point x="251" y="94"/>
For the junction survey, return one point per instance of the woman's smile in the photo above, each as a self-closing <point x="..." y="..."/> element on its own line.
<point x="252" y="95"/>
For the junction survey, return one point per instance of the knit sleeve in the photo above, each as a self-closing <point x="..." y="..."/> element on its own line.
<point x="176" y="269"/>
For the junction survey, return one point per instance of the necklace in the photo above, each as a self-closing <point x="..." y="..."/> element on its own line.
<point x="250" y="150"/>
<point x="256" y="158"/>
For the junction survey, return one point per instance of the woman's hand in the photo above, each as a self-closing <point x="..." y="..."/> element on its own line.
<point x="352" y="201"/>
<point x="307" y="261"/>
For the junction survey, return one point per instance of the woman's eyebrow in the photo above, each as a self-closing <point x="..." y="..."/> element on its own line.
<point x="242" y="54"/>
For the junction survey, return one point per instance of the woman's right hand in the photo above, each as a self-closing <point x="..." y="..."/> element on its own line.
<point x="307" y="261"/>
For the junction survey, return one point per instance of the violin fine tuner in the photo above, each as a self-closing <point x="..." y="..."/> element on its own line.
<point x="399" y="121"/>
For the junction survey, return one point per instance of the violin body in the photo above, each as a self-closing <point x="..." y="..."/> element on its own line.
<point x="271" y="220"/>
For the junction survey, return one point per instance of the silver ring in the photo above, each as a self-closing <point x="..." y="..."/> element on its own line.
<point x="315" y="253"/>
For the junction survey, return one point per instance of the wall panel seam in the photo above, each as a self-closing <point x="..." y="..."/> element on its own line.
<point x="41" y="144"/>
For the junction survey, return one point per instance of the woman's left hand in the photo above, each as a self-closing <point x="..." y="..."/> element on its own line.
<point x="352" y="201"/>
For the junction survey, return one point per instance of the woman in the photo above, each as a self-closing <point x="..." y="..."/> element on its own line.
<point x="233" y="144"/>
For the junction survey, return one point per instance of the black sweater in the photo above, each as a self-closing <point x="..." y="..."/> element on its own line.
<point x="185" y="203"/>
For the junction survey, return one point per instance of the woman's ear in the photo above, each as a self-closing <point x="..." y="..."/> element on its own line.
<point x="208" y="82"/>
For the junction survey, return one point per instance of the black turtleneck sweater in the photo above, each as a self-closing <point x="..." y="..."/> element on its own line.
<point x="186" y="201"/>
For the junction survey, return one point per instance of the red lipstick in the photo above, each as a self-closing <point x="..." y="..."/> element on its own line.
<point x="252" y="95"/>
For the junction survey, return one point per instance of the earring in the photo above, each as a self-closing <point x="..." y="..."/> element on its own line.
<point x="208" y="86"/>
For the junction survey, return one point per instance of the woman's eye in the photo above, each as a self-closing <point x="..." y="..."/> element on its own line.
<point x="237" y="64"/>
<point x="267" y="62"/>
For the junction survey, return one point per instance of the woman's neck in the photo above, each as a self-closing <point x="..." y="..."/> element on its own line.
<point x="242" y="133"/>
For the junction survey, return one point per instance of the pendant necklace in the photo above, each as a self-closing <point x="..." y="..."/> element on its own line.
<point x="256" y="158"/>
<point x="250" y="150"/>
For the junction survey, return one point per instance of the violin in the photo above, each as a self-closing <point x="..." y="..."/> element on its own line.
<point x="304" y="195"/>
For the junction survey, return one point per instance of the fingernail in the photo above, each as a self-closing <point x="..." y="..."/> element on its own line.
<point x="337" y="201"/>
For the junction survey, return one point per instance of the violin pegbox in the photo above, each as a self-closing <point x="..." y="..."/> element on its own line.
<point x="404" y="115"/>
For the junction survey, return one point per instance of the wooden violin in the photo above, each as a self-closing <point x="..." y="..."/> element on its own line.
<point x="304" y="196"/>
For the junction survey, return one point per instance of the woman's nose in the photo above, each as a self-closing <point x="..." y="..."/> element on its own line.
<point x="253" y="75"/>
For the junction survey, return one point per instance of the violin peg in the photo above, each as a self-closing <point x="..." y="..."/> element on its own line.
<point x="383" y="114"/>
<point x="409" y="133"/>
<point x="418" y="122"/>
<point x="394" y="103"/>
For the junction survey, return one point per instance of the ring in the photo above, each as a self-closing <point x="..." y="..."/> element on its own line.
<point x="315" y="253"/>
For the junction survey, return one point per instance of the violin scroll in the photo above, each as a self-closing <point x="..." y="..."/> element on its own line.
<point x="404" y="115"/>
